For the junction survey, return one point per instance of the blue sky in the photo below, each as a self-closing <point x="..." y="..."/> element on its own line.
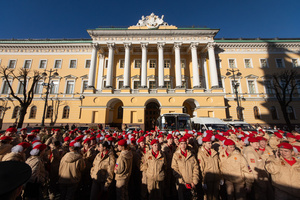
<point x="39" y="19"/>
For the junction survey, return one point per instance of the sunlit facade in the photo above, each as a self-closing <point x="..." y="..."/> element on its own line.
<point x="132" y="75"/>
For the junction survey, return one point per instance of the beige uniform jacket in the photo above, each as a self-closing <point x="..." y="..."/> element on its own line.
<point x="256" y="163"/>
<point x="155" y="167"/>
<point x="4" y="149"/>
<point x="53" y="139"/>
<point x="267" y="153"/>
<point x="284" y="176"/>
<point x="123" y="165"/>
<point x="209" y="165"/>
<point x="235" y="168"/>
<point x="103" y="168"/>
<point x="273" y="142"/>
<point x="186" y="169"/>
<point x="12" y="156"/>
<point x="168" y="151"/>
<point x="39" y="173"/>
<point x="70" y="168"/>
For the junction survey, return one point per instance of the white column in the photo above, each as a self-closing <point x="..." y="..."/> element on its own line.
<point x="100" y="71"/>
<point x="144" y="65"/>
<point x="196" y="79"/>
<point x="160" y="47"/>
<point x="109" y="75"/>
<point x="127" y="65"/>
<point x="92" y="72"/>
<point x="204" y="67"/>
<point x="212" y="66"/>
<point x="178" y="65"/>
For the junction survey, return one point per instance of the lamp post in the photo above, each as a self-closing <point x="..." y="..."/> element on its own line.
<point x="44" y="74"/>
<point x="235" y="86"/>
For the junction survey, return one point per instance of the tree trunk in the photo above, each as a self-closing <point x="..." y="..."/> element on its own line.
<point x="286" y="116"/>
<point x="23" y="111"/>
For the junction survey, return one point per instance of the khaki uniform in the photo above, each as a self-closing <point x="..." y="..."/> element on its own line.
<point x="53" y="139"/>
<point x="123" y="171"/>
<point x="142" y="176"/>
<point x="39" y="173"/>
<point x="102" y="174"/>
<point x="274" y="141"/>
<point x="155" y="171"/>
<point x="186" y="170"/>
<point x="12" y="156"/>
<point x="209" y="167"/>
<point x="4" y="149"/>
<point x="262" y="184"/>
<point x="236" y="173"/>
<point x="70" y="169"/>
<point x="267" y="153"/>
<point x="285" y="178"/>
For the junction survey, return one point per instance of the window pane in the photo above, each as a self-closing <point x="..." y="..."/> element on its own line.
<point x="137" y="64"/>
<point x="136" y="84"/>
<point x="21" y="87"/>
<point x="248" y="63"/>
<point x="263" y="63"/>
<point x="87" y="63"/>
<point x="167" y="84"/>
<point x="295" y="62"/>
<point x="5" y="88"/>
<point x="54" y="87"/>
<point x="84" y="85"/>
<point x="152" y="85"/>
<point x="279" y="63"/>
<point x="12" y="64"/>
<point x="182" y="63"/>
<point x="122" y="63"/>
<point x="42" y="64"/>
<point x="167" y="63"/>
<point x="251" y="87"/>
<point x="57" y="64"/>
<point x="231" y="63"/>
<point x="27" y="64"/>
<point x="73" y="64"/>
<point x="152" y="63"/>
<point x="70" y="87"/>
<point x="120" y="84"/>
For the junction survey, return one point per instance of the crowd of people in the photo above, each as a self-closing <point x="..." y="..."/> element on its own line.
<point x="115" y="164"/>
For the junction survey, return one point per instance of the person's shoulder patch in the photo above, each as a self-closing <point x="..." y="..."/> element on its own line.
<point x="252" y="160"/>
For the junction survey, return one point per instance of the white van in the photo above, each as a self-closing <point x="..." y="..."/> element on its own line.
<point x="208" y="123"/>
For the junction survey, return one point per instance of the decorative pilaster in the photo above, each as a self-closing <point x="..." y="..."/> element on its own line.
<point x="111" y="48"/>
<point x="204" y="68"/>
<point x="177" y="65"/>
<point x="212" y="66"/>
<point x="92" y="72"/>
<point x="196" y="79"/>
<point x="160" y="47"/>
<point x="144" y="47"/>
<point x="127" y="65"/>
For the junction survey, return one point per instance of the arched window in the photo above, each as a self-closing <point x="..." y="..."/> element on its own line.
<point x="49" y="112"/>
<point x="66" y="112"/>
<point x="256" y="112"/>
<point x="16" y="112"/>
<point x="120" y="112"/>
<point x="274" y="113"/>
<point x="32" y="112"/>
<point x="291" y="112"/>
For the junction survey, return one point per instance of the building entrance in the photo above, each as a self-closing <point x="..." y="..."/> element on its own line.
<point x="152" y="112"/>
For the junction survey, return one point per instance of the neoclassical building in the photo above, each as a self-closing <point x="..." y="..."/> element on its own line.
<point x="132" y="75"/>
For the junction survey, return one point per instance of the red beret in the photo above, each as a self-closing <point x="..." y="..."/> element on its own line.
<point x="57" y="129"/>
<point x="133" y="140"/>
<point x="285" y="145"/>
<point x="74" y="144"/>
<point x="280" y="131"/>
<point x="206" y="139"/>
<point x="182" y="139"/>
<point x="76" y="129"/>
<point x="261" y="138"/>
<point x="141" y="139"/>
<point x="11" y="129"/>
<point x="6" y="138"/>
<point x="170" y="136"/>
<point x="160" y="136"/>
<point x="154" y="142"/>
<point x="120" y="137"/>
<point x="290" y="135"/>
<point x="226" y="133"/>
<point x="92" y="138"/>
<point x="79" y="138"/>
<point x="297" y="137"/>
<point x="115" y="134"/>
<point x="23" y="129"/>
<point x="110" y="139"/>
<point x="278" y="135"/>
<point x="24" y="144"/>
<point x="86" y="140"/>
<point x="122" y="142"/>
<point x="40" y="147"/>
<point x="229" y="142"/>
<point x="67" y="139"/>
<point x="297" y="148"/>
<point x="253" y="139"/>
<point x="199" y="133"/>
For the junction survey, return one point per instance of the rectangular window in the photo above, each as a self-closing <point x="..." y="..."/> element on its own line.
<point x="106" y="63"/>
<point x="251" y="86"/>
<point x="122" y="63"/>
<point x="27" y="64"/>
<point x="87" y="63"/>
<point x="70" y="87"/>
<point x="57" y="64"/>
<point x="268" y="87"/>
<point x="38" y="88"/>
<point x="248" y="63"/>
<point x="182" y="63"/>
<point x="21" y="87"/>
<point x="73" y="64"/>
<point x="43" y="64"/>
<point x="137" y="64"/>
<point x="54" y="87"/>
<point x="120" y="84"/>
<point x="136" y="84"/>
<point x="233" y="83"/>
<point x="167" y="84"/>
<point x="263" y="63"/>
<point x="279" y="63"/>
<point x="84" y="86"/>
<point x="295" y="62"/>
<point x="232" y="63"/>
<point x="12" y="64"/>
<point x="152" y="85"/>
<point x="5" y="88"/>
<point x="167" y="63"/>
<point x="152" y="64"/>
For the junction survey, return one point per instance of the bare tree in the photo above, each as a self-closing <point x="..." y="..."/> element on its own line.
<point x="55" y="103"/>
<point x="27" y="92"/>
<point x="284" y="85"/>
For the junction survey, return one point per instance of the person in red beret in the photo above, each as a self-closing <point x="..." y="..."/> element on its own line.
<point x="154" y="166"/>
<point x="11" y="132"/>
<point x="275" y="140"/>
<point x="262" y="186"/>
<point x="264" y="150"/>
<point x="33" y="189"/>
<point x="186" y="171"/>
<point x="235" y="170"/>
<point x="284" y="171"/>
<point x="123" y="169"/>
<point x="5" y="145"/>
<point x="209" y="167"/>
<point x="17" y="153"/>
<point x="55" y="137"/>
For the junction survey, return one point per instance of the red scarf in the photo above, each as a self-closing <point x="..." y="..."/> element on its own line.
<point x="155" y="154"/>
<point x="262" y="149"/>
<point x="104" y="154"/>
<point x="291" y="162"/>
<point x="227" y="154"/>
<point x="208" y="151"/>
<point x="184" y="153"/>
<point x="144" y="150"/>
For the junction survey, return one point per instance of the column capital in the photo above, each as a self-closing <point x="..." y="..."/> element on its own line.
<point x="127" y="45"/>
<point x="111" y="45"/>
<point x="101" y="55"/>
<point x="95" y="45"/>
<point x="211" y="45"/>
<point x="194" y="45"/>
<point x="144" y="45"/>
<point x="177" y="45"/>
<point x="160" y="45"/>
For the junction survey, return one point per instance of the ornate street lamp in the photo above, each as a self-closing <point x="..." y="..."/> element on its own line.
<point x="44" y="74"/>
<point x="235" y="86"/>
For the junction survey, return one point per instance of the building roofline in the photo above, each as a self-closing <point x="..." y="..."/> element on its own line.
<point x="255" y="40"/>
<point x="44" y="41"/>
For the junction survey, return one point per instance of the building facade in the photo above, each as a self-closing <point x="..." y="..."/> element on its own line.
<point x="132" y="75"/>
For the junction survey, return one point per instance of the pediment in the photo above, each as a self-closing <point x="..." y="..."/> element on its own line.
<point x="70" y="76"/>
<point x="251" y="76"/>
<point x="84" y="76"/>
